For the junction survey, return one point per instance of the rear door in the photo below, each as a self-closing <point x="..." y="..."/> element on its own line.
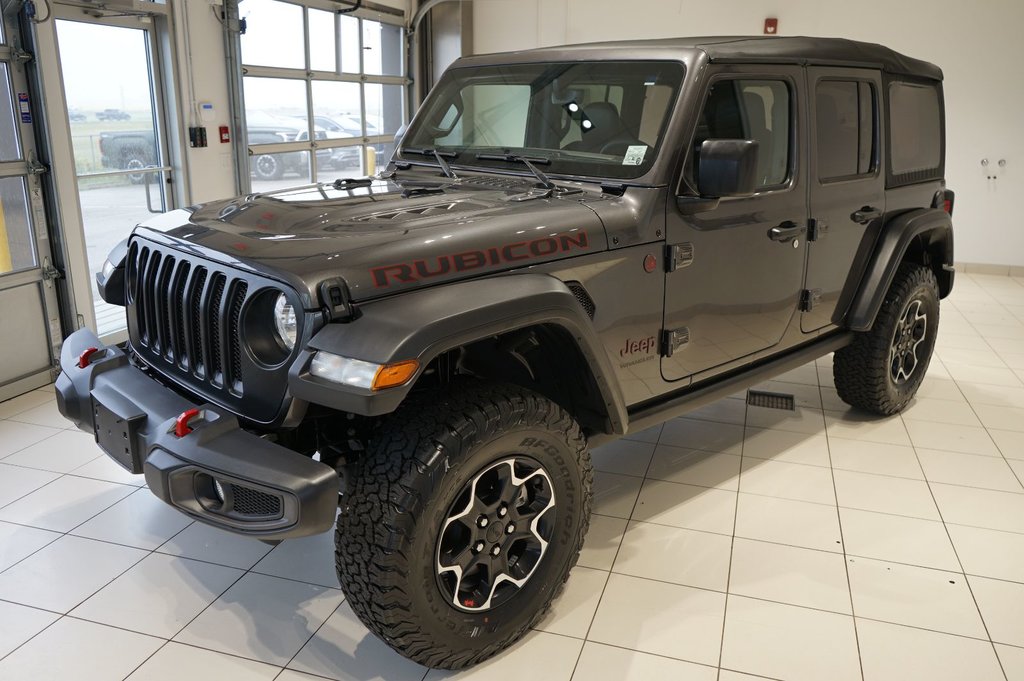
<point x="736" y="284"/>
<point x="847" y="186"/>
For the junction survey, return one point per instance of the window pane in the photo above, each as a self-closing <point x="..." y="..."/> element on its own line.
<point x="275" y="110"/>
<point x="322" y="49"/>
<point x="916" y="128"/>
<point x="384" y="109"/>
<point x="838" y="133"/>
<point x="273" y="34"/>
<point x="277" y="171"/>
<point x="751" y="109"/>
<point x="766" y="103"/>
<point x="9" y="148"/>
<point x="349" y="44"/>
<point x="336" y="109"/>
<point x="17" y="252"/>
<point x="382" y="49"/>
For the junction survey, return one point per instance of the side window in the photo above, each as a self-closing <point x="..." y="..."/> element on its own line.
<point x="915" y="129"/>
<point x="750" y="109"/>
<point x="845" y="123"/>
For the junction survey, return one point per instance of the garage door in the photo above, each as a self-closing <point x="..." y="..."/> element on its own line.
<point x="30" y="325"/>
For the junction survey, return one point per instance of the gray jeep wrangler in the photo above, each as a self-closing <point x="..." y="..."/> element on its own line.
<point x="570" y="245"/>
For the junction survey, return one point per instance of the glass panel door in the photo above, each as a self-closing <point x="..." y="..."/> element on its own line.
<point x="113" y="104"/>
<point x="31" y="329"/>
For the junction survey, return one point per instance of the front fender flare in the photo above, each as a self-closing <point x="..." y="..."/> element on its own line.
<point x="423" y="324"/>
<point x="896" y="237"/>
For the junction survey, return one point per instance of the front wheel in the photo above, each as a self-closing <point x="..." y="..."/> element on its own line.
<point x="881" y="370"/>
<point x="462" y="521"/>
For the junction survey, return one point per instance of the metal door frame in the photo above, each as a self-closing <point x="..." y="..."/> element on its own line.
<point x="13" y="55"/>
<point x="157" y="20"/>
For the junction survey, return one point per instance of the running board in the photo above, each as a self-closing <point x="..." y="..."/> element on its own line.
<point x="677" y="404"/>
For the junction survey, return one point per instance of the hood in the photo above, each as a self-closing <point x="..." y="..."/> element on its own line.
<point x="389" y="235"/>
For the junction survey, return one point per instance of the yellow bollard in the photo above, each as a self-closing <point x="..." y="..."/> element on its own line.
<point x="371" y="161"/>
<point x="5" y="245"/>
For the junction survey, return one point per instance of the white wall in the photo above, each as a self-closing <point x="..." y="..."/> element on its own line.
<point x="977" y="44"/>
<point x="211" y="169"/>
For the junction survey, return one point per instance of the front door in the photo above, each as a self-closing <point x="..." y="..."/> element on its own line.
<point x="847" y="186"/>
<point x="30" y="333"/>
<point x="736" y="284"/>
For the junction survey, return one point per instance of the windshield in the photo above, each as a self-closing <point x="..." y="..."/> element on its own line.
<point x="602" y="119"/>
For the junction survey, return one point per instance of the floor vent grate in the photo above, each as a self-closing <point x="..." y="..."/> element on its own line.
<point x="760" y="398"/>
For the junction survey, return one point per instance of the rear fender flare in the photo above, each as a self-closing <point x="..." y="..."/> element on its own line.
<point x="423" y="324"/>
<point x="896" y="237"/>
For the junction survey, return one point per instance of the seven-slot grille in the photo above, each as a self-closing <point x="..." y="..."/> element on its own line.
<point x="185" y="320"/>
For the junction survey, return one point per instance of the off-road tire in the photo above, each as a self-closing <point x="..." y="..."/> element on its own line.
<point x="134" y="158"/>
<point x="862" y="370"/>
<point x="396" y="503"/>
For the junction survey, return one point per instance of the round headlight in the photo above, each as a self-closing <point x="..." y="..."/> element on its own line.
<point x="284" y="321"/>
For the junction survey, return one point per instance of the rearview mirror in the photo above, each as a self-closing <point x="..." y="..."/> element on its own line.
<point x="727" y="168"/>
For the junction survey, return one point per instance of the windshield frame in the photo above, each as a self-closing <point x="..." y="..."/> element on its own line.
<point x="466" y="157"/>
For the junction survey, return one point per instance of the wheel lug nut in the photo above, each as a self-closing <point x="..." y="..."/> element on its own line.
<point x="496" y="550"/>
<point x="478" y="547"/>
<point x="511" y="528"/>
<point x="503" y="511"/>
<point x="481" y="521"/>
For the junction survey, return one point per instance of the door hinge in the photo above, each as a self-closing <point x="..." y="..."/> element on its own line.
<point x="50" y="273"/>
<point x="673" y="339"/>
<point x="34" y="167"/>
<point x="809" y="298"/>
<point x="20" y="56"/>
<point x="679" y="256"/>
<point x="816" y="229"/>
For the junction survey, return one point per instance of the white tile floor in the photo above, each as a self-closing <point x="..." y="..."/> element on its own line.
<point x="735" y="544"/>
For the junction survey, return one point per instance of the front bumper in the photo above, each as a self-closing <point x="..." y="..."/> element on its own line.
<point x="218" y="473"/>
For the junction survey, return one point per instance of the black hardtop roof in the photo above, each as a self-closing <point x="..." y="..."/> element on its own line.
<point x="735" y="49"/>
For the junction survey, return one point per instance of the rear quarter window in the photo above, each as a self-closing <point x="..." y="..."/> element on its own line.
<point x="915" y="132"/>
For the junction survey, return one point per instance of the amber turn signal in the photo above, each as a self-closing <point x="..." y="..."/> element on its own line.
<point x="393" y="375"/>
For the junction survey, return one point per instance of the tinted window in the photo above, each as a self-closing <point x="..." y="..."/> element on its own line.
<point x="751" y="109"/>
<point x="915" y="128"/>
<point x="845" y="128"/>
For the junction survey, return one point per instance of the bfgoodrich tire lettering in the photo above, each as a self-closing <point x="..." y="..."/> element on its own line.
<point x="881" y="370"/>
<point x="402" y="492"/>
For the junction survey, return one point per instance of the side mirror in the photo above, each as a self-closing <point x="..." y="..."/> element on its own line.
<point x="727" y="168"/>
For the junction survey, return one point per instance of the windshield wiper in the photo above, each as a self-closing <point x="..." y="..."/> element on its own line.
<point x="439" y="155"/>
<point x="545" y="181"/>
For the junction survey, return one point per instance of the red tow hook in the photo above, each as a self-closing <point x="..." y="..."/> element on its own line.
<point x="83" y="359"/>
<point x="181" y="427"/>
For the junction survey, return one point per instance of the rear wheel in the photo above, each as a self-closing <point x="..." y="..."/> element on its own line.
<point x="462" y="521"/>
<point x="267" y="167"/>
<point x="883" y="368"/>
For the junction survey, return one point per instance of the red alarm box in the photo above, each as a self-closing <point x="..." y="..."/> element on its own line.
<point x="225" y="134"/>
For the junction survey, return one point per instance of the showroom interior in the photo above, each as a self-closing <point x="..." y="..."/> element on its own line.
<point x="733" y="542"/>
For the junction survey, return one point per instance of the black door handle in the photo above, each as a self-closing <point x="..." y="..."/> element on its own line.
<point x="866" y="215"/>
<point x="787" y="231"/>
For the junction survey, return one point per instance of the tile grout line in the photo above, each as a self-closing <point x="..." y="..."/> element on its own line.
<point x="597" y="608"/>
<point x="842" y="539"/>
<point x="956" y="553"/>
<point x="732" y="540"/>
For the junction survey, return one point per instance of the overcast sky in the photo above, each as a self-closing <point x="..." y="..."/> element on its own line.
<point x="105" y="67"/>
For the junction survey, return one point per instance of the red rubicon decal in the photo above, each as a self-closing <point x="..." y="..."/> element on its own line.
<point x="407" y="273"/>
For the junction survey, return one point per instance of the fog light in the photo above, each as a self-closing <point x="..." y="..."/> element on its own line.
<point x="218" y="490"/>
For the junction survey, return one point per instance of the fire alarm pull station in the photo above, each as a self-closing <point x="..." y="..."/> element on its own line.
<point x="225" y="134"/>
<point x="771" y="26"/>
